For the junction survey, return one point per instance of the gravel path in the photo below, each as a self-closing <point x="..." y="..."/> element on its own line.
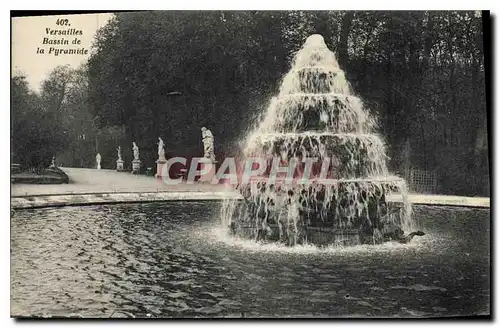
<point x="92" y="181"/>
<point x="108" y="181"/>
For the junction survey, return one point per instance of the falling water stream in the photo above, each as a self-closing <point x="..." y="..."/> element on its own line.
<point x="315" y="115"/>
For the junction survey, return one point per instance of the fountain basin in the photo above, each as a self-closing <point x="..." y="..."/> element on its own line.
<point x="172" y="259"/>
<point x="315" y="79"/>
<point x="330" y="112"/>
<point x="351" y="155"/>
<point x="342" y="212"/>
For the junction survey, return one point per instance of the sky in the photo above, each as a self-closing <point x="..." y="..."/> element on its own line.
<point x="28" y="34"/>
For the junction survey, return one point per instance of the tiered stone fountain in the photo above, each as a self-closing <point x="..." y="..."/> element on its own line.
<point x="315" y="115"/>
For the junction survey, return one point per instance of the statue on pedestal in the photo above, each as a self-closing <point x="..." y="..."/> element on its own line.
<point x="208" y="164"/>
<point x="160" y="162"/>
<point x="136" y="163"/>
<point x="98" y="160"/>
<point x="135" y="149"/>
<point x="161" y="150"/>
<point x="119" y="161"/>
<point x="208" y="143"/>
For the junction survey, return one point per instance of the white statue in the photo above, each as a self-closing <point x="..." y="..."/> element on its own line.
<point x="119" y="151"/>
<point x="136" y="151"/>
<point x="208" y="143"/>
<point x="119" y="161"/>
<point x="161" y="150"/>
<point x="98" y="160"/>
<point x="53" y="164"/>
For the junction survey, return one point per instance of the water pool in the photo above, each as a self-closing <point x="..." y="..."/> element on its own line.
<point x="174" y="260"/>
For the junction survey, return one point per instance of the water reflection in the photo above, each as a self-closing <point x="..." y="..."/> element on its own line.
<point x="164" y="260"/>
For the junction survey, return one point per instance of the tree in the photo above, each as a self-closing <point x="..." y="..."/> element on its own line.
<point x="55" y="88"/>
<point x="77" y="118"/>
<point x="420" y="73"/>
<point x="35" y="135"/>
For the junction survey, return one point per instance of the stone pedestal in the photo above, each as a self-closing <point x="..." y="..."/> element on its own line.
<point x="160" y="163"/>
<point x="209" y="165"/>
<point x="136" y="166"/>
<point x="119" y="165"/>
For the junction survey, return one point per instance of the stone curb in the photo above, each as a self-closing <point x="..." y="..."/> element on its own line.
<point x="37" y="201"/>
<point x="95" y="198"/>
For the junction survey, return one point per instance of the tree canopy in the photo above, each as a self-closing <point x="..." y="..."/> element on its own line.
<point x="168" y="73"/>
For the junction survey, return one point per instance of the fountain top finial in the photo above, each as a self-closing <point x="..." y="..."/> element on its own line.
<point x="315" y="40"/>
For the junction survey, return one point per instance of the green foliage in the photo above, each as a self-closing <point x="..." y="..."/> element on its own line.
<point x="168" y="73"/>
<point x="222" y="63"/>
<point x="36" y="133"/>
<point x="80" y="125"/>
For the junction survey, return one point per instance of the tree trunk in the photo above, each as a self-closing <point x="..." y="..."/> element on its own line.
<point x="451" y="82"/>
<point x="344" y="38"/>
<point x="322" y="26"/>
<point x="428" y="41"/>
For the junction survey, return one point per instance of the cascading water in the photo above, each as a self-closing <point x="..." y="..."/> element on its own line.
<point x="316" y="116"/>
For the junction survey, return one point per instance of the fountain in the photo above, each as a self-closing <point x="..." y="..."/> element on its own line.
<point x="315" y="115"/>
